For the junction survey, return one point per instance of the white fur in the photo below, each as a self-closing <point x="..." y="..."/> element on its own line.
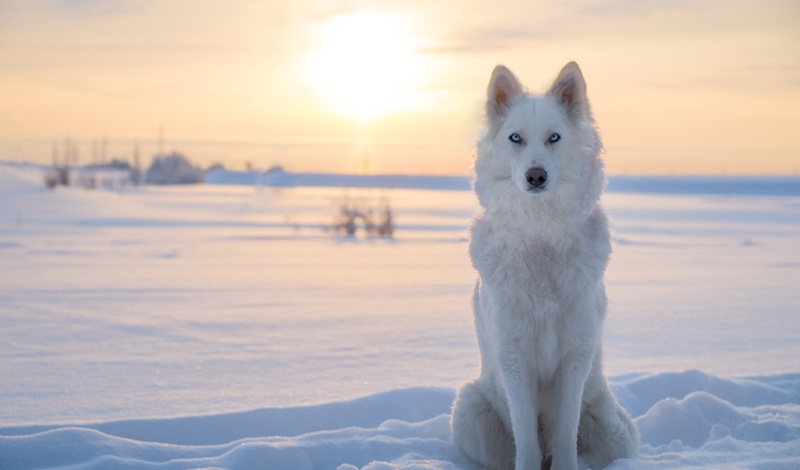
<point x="541" y="399"/>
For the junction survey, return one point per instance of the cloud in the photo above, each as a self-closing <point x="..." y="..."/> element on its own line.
<point x="763" y="75"/>
<point x="96" y="7"/>
<point x="486" y="40"/>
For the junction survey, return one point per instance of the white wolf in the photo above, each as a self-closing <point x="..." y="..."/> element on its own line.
<point x="540" y="246"/>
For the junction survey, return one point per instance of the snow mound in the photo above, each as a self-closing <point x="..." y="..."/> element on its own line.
<point x="409" y="429"/>
<point x="413" y="404"/>
<point x="20" y="178"/>
<point x="702" y="417"/>
<point x="639" y="393"/>
<point x="404" y="425"/>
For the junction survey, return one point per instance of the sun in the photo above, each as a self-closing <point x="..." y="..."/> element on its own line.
<point x="364" y="65"/>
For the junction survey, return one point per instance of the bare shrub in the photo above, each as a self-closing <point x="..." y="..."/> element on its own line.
<point x="385" y="226"/>
<point x="355" y="213"/>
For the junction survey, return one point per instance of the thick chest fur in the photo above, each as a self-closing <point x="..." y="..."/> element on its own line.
<point x="542" y="274"/>
<point x="541" y="291"/>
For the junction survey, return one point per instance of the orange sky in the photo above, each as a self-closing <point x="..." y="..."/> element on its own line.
<point x="681" y="87"/>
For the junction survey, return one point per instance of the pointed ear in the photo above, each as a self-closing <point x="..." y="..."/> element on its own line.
<point x="504" y="88"/>
<point x="569" y="89"/>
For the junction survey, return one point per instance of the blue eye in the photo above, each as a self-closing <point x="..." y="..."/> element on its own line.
<point x="554" y="138"/>
<point x="516" y="138"/>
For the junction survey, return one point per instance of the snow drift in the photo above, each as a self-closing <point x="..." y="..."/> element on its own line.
<point x="689" y="422"/>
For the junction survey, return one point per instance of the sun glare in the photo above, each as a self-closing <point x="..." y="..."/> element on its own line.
<point x="364" y="66"/>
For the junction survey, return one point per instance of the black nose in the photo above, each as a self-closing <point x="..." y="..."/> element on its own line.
<point x="536" y="177"/>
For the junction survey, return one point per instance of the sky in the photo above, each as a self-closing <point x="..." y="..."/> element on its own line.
<point x="677" y="87"/>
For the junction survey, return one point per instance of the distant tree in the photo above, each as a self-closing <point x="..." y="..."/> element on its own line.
<point x="136" y="170"/>
<point x="173" y="168"/>
<point x="60" y="174"/>
<point x="51" y="179"/>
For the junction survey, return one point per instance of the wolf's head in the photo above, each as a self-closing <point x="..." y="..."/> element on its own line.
<point x="542" y="148"/>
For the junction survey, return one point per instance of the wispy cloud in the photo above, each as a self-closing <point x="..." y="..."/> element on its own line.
<point x="486" y="40"/>
<point x="96" y="7"/>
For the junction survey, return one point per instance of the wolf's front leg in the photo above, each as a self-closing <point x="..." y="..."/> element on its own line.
<point x="521" y="389"/>
<point x="568" y="392"/>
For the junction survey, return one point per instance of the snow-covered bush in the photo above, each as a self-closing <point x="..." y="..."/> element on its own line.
<point x="173" y="169"/>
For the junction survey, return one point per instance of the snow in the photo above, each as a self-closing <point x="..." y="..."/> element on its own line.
<point x="705" y="185"/>
<point x="218" y="326"/>
<point x="279" y="178"/>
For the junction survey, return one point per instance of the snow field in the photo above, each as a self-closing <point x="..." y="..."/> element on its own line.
<point x="222" y="327"/>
